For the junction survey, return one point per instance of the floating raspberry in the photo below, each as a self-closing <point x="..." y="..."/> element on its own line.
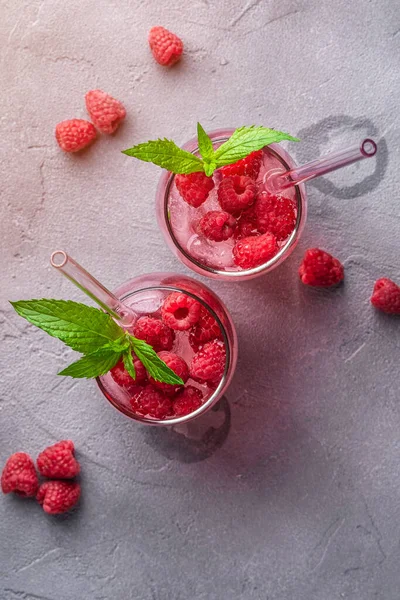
<point x="178" y="366"/>
<point x="166" y="47"/>
<point x="180" y="311"/>
<point x="386" y="296"/>
<point x="207" y="329"/>
<point x="246" y="224"/>
<point x="105" y="111"/>
<point x="194" y="188"/>
<point x="154" y="332"/>
<point x="19" y="475"/>
<point x="122" y="377"/>
<point x="253" y="251"/>
<point x="320" y="269"/>
<point x="150" y="402"/>
<point x="275" y="214"/>
<point x="75" y="134"/>
<point x="58" y="497"/>
<point x="217" y="225"/>
<point x="187" y="401"/>
<point x="249" y="166"/>
<point x="236" y="193"/>
<point x="208" y="365"/>
<point x="58" y="461"/>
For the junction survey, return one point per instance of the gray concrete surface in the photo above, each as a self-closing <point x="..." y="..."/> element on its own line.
<point x="290" y="489"/>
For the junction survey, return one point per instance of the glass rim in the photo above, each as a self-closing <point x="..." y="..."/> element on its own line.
<point x="214" y="397"/>
<point x="167" y="179"/>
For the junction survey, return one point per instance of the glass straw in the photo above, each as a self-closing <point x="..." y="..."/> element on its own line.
<point x="94" y="289"/>
<point x="276" y="182"/>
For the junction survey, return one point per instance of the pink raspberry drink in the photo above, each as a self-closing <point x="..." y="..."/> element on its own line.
<point x="227" y="226"/>
<point x="192" y="332"/>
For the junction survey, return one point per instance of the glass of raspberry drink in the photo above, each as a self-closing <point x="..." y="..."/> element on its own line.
<point x="228" y="226"/>
<point x="192" y="332"/>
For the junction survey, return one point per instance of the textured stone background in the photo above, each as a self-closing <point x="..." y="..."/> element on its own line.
<point x="290" y="490"/>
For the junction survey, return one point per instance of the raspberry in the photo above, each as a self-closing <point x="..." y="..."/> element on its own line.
<point x="249" y="166"/>
<point x="246" y="224"/>
<point x="208" y="365"/>
<point x="58" y="461"/>
<point x="150" y="402"/>
<point x="19" y="475"/>
<point x="154" y="332"/>
<point x="166" y="47"/>
<point x="207" y="329"/>
<point x="187" y="401"/>
<point x="320" y="269"/>
<point x="180" y="311"/>
<point x="253" y="251"/>
<point x="58" y="497"/>
<point x="122" y="377"/>
<point x="236" y="193"/>
<point x="386" y="296"/>
<point x="178" y="366"/>
<point x="217" y="225"/>
<point x="75" y="134"/>
<point x="275" y="214"/>
<point x="105" y="111"/>
<point x="194" y="188"/>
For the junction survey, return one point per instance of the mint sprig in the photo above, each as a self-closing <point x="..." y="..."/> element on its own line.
<point x="245" y="140"/>
<point x="96" y="335"/>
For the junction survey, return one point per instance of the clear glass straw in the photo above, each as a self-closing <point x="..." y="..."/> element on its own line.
<point x="276" y="181"/>
<point x="94" y="289"/>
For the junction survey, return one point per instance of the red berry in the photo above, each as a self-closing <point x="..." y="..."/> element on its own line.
<point x="386" y="296"/>
<point x="19" y="475"/>
<point x="246" y="224"/>
<point x="236" y="193"/>
<point x="320" y="269"/>
<point x="253" y="251"/>
<point x="207" y="329"/>
<point x="187" y="401"/>
<point x="217" y="225"/>
<point x="150" y="402"/>
<point x="122" y="377"/>
<point x="58" y="497"/>
<point x="105" y="111"/>
<point x="275" y="214"/>
<point x="180" y="311"/>
<point x="75" y="134"/>
<point x="58" y="461"/>
<point x="178" y="366"/>
<point x="194" y="188"/>
<point x="154" y="332"/>
<point x="208" y="365"/>
<point x="166" y="47"/>
<point x="249" y="166"/>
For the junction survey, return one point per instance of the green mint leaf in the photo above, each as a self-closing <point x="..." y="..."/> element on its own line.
<point x="92" y="365"/>
<point x="128" y="363"/>
<point x="153" y="364"/>
<point x="246" y="140"/>
<point x="166" y="154"/>
<point x="83" y="328"/>
<point x="209" y="168"/>
<point x="205" y="144"/>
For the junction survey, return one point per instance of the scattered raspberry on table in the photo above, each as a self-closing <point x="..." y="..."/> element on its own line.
<point x="320" y="269"/>
<point x="19" y="475"/>
<point x="194" y="188"/>
<point x="75" y="134"/>
<point x="58" y="497"/>
<point x="386" y="296"/>
<point x="105" y="111"/>
<point x="58" y="461"/>
<point x="253" y="251"/>
<point x="166" y="47"/>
